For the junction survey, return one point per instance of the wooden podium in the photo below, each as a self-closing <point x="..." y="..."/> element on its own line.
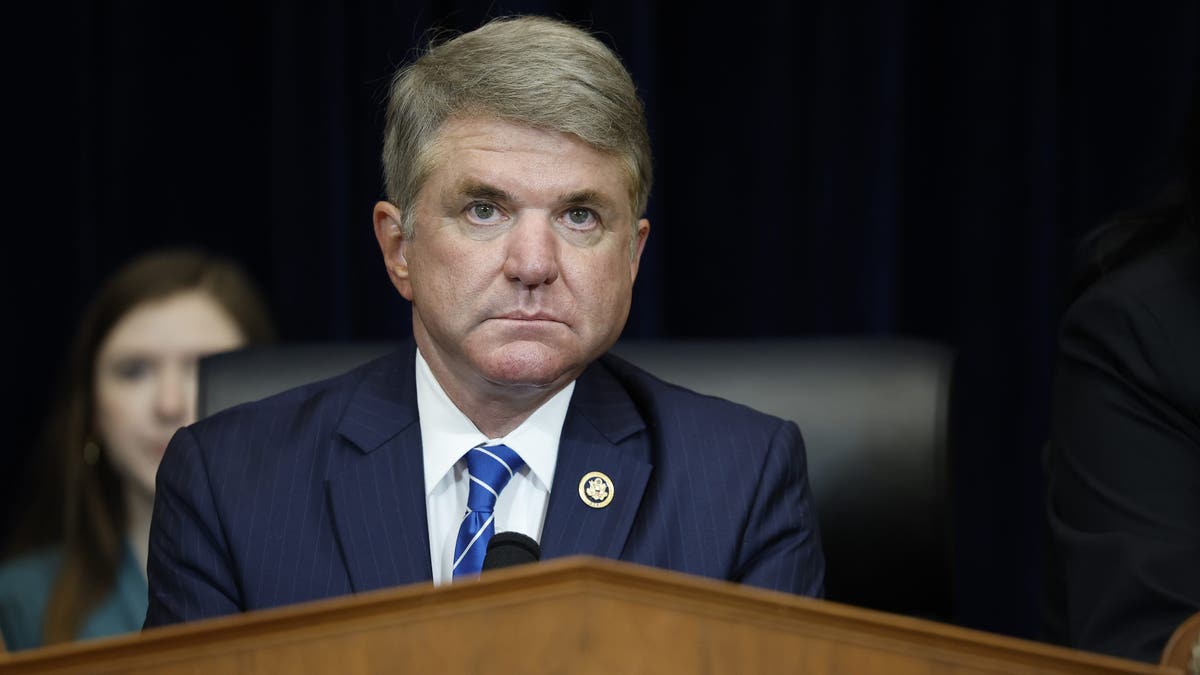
<point x="573" y="615"/>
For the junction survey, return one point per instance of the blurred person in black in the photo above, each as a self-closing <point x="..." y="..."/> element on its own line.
<point x="77" y="564"/>
<point x="1123" y="462"/>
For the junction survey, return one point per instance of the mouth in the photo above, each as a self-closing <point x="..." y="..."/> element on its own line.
<point x="526" y="316"/>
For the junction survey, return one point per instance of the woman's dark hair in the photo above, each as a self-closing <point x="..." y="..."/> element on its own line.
<point x="79" y="504"/>
<point x="1175" y="211"/>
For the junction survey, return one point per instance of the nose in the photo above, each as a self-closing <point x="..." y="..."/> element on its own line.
<point x="532" y="252"/>
<point x="174" y="399"/>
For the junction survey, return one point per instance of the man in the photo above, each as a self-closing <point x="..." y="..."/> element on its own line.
<point x="518" y="167"/>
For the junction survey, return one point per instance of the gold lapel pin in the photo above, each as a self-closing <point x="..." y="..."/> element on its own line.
<point x="596" y="490"/>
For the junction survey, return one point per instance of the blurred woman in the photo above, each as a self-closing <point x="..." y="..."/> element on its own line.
<point x="130" y="384"/>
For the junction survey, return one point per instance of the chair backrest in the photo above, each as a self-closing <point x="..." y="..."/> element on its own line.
<point x="230" y="378"/>
<point x="874" y="414"/>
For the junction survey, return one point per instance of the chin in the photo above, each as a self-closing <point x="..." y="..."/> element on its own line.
<point x="530" y="364"/>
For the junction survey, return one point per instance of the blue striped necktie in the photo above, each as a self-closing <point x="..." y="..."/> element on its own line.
<point x="490" y="468"/>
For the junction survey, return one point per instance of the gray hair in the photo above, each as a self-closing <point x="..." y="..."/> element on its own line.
<point x="531" y="70"/>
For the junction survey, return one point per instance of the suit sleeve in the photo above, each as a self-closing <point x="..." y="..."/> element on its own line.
<point x="189" y="569"/>
<point x="781" y="548"/>
<point x="1123" y="479"/>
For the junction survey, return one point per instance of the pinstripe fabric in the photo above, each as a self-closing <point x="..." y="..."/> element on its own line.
<point x="319" y="492"/>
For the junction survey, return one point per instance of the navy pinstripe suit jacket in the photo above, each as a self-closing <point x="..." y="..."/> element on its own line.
<point x="319" y="492"/>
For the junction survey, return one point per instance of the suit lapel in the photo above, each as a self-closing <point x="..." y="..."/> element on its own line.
<point x="378" y="495"/>
<point x="603" y="432"/>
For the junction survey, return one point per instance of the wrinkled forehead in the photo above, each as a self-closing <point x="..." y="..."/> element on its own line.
<point x="434" y="153"/>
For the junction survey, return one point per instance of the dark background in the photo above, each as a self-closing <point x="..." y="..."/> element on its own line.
<point x="890" y="168"/>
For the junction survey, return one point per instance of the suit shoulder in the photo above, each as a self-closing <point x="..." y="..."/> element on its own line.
<point x="266" y="439"/>
<point x="1140" y="323"/>
<point x="315" y="400"/>
<point x="1164" y="283"/>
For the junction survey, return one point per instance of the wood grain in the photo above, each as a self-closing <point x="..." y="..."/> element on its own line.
<point x="574" y="615"/>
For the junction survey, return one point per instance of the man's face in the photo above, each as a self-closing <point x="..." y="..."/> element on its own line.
<point x="520" y="270"/>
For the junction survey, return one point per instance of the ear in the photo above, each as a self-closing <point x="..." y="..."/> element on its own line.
<point x="393" y="245"/>
<point x="642" y="231"/>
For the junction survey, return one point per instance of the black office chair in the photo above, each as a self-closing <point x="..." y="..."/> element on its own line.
<point x="874" y="414"/>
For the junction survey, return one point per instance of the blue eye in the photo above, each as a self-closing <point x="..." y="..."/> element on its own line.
<point x="580" y="217"/>
<point x="483" y="212"/>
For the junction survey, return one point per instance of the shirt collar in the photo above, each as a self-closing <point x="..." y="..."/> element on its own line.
<point x="447" y="434"/>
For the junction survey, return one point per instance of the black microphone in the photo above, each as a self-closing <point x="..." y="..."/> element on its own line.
<point x="510" y="548"/>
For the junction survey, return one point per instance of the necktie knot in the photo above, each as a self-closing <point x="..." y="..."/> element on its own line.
<point x="489" y="469"/>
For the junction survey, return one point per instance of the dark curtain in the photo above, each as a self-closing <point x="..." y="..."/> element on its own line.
<point x="890" y="168"/>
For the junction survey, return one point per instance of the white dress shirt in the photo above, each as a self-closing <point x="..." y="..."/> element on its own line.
<point x="446" y="436"/>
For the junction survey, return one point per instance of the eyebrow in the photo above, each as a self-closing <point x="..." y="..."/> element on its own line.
<point x="474" y="189"/>
<point x="587" y="197"/>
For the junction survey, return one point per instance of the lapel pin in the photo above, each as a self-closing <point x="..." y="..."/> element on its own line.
<point x="596" y="490"/>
